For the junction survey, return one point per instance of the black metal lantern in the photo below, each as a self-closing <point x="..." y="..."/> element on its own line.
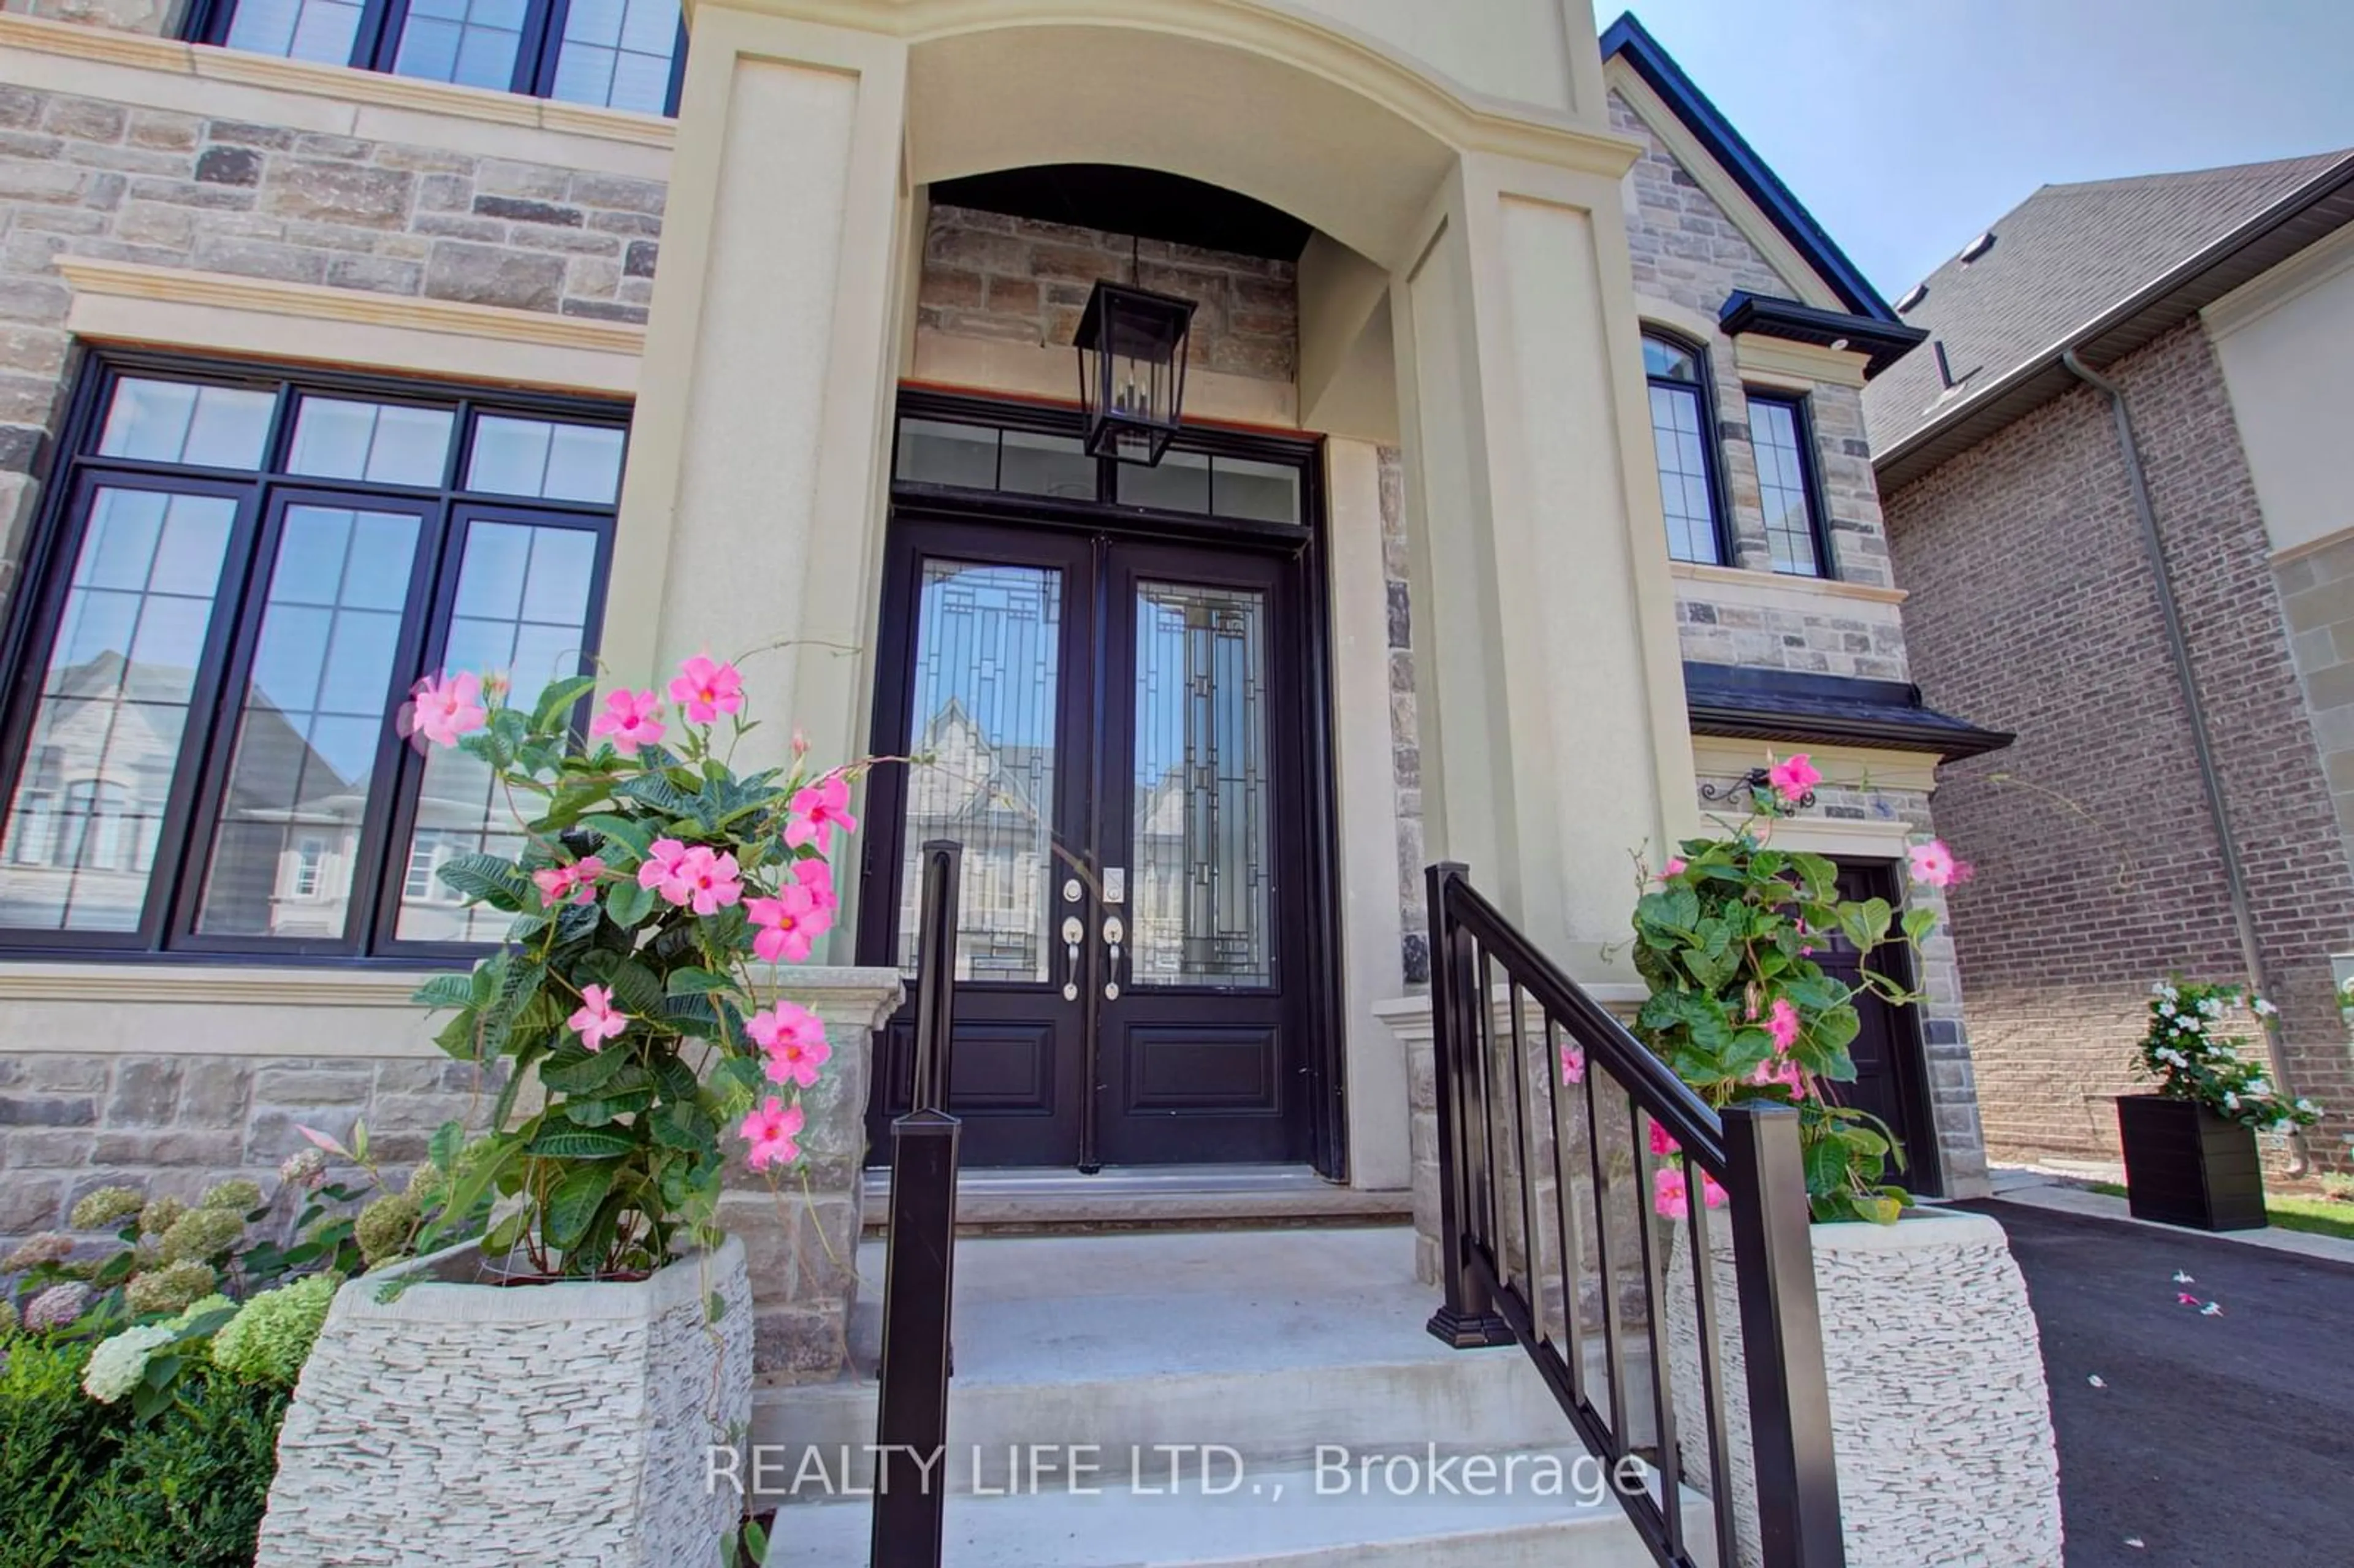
<point x="1131" y="344"/>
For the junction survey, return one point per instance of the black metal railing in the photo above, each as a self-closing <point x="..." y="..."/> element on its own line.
<point x="1556" y="1169"/>
<point x="911" y="1425"/>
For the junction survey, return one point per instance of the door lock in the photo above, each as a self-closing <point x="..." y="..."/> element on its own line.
<point x="1114" y="934"/>
<point x="1073" y="933"/>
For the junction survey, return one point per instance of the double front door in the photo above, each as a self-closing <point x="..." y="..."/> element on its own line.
<point x="1113" y="729"/>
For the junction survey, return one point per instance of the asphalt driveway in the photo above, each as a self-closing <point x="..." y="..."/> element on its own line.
<point x="2211" y="1441"/>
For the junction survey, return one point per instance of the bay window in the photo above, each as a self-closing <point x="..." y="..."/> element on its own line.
<point x="237" y="581"/>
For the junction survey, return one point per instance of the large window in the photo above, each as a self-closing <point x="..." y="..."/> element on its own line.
<point x="621" y="54"/>
<point x="1684" y="436"/>
<point x="238" y="582"/>
<point x="1782" y="437"/>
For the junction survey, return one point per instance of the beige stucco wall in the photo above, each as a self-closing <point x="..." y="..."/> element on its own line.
<point x="2287" y="344"/>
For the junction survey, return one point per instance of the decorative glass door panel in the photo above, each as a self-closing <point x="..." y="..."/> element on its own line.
<point x="1112" y="730"/>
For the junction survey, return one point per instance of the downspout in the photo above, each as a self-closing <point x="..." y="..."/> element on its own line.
<point x="2202" y="744"/>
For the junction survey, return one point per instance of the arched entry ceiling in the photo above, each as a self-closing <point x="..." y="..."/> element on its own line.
<point x="1016" y="96"/>
<point x="1152" y="204"/>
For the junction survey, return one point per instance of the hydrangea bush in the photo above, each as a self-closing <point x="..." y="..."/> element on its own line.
<point x="654" y="891"/>
<point x="1726" y="938"/>
<point x="2188" y="1051"/>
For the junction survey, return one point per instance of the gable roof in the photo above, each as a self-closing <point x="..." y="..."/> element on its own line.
<point x="1626" y="39"/>
<point x="2105" y="264"/>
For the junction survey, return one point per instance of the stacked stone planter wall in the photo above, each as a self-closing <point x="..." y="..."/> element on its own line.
<point x="1941" y="1419"/>
<point x="471" y="1426"/>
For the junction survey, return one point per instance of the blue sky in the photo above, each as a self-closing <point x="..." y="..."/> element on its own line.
<point x="1906" y="126"/>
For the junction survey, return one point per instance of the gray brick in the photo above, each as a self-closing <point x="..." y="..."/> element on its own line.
<point x="520" y="209"/>
<point x="379" y="274"/>
<point x="487" y="275"/>
<point x="337" y="191"/>
<point x="213" y="1091"/>
<point x="638" y="261"/>
<point x="306" y="1084"/>
<point x="617" y="192"/>
<point x="26" y="1110"/>
<point x="146" y="1092"/>
<point x="229" y="166"/>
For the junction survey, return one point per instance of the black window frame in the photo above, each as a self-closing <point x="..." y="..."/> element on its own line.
<point x="167" y="929"/>
<point x="1702" y="389"/>
<point x="1810" y="478"/>
<point x="375" y="43"/>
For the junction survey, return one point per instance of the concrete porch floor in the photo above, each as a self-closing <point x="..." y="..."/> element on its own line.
<point x="1272" y="1344"/>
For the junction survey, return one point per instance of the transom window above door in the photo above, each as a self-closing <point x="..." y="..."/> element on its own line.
<point x="618" y="54"/>
<point x="236" y="583"/>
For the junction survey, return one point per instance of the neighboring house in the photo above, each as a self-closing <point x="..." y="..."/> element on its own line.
<point x="2220" y="304"/>
<point x="1522" y="508"/>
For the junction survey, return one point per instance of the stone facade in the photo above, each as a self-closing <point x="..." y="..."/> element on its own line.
<point x="84" y="177"/>
<point x="2097" y="869"/>
<point x="1014" y="280"/>
<point x="72" y="1122"/>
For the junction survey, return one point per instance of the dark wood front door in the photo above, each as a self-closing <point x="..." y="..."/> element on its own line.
<point x="1890" y="1078"/>
<point x="1113" y="728"/>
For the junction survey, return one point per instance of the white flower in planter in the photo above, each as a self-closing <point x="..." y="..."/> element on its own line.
<point x="2166" y="1009"/>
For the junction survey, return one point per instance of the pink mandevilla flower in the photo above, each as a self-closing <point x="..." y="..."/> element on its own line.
<point x="1675" y="867"/>
<point x="576" y="883"/>
<point x="662" y="870"/>
<point x="630" y="719"/>
<point x="1782" y="1023"/>
<point x="1782" y="1071"/>
<point x="1793" y="777"/>
<point x="1933" y="864"/>
<point x="817" y="809"/>
<point x="786" y="1020"/>
<point x="797" y="1055"/>
<point x="450" y="708"/>
<point x="710" y="880"/>
<point x="1672" y="1195"/>
<point x="786" y="925"/>
<point x="704" y="690"/>
<point x="596" y="1021"/>
<point x="1573" y="1063"/>
<point x="771" y="1130"/>
<point x="817" y="875"/>
<point x="1662" y="1140"/>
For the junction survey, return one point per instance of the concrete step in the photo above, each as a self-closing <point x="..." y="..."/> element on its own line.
<point x="1279" y="1517"/>
<point x="1193" y="1197"/>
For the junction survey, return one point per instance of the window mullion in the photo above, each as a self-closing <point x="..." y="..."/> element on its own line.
<point x="392" y="820"/>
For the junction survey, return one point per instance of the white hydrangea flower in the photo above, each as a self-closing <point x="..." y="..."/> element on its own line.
<point x="2192" y="1024"/>
<point x="2264" y="1008"/>
<point x="2231" y="1100"/>
<point x="2166" y="1009"/>
<point x="2258" y="1086"/>
<point x="2306" y="1105"/>
<point x="2212" y="1008"/>
<point x="117" y="1364"/>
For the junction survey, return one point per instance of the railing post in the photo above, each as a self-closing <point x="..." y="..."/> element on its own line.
<point x="1466" y="1317"/>
<point x="1782" y="1341"/>
<point x="912" y="1415"/>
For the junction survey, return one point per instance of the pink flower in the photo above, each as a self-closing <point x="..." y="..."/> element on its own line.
<point x="1675" y="867"/>
<point x="596" y="1021"/>
<point x="1782" y="1071"/>
<point x="817" y="809"/>
<point x="631" y="718"/>
<point x="1672" y="1195"/>
<point x="771" y="1131"/>
<point x="1793" y="777"/>
<point x="1782" y="1023"/>
<point x="704" y="690"/>
<point x="794" y="1038"/>
<point x="710" y="881"/>
<point x="576" y="883"/>
<point x="450" y="708"/>
<point x="1573" y="1063"/>
<point x="1662" y="1140"/>
<point x="662" y="870"/>
<point x="1933" y="864"/>
<point x="786" y="925"/>
<point x="817" y="875"/>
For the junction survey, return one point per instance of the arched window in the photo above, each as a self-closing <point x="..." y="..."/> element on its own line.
<point x="1684" y="436"/>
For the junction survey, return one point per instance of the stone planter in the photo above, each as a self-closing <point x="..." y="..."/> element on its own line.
<point x="470" y="1425"/>
<point x="2185" y="1165"/>
<point x="1941" y="1420"/>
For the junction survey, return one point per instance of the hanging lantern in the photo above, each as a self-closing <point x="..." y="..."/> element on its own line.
<point x="1131" y="344"/>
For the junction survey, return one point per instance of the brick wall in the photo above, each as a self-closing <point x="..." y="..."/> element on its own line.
<point x="2097" y="871"/>
<point x="83" y="177"/>
<point x="1016" y="280"/>
<point x="1688" y="253"/>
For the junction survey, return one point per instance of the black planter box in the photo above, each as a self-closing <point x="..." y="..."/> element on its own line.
<point x="2187" y="1166"/>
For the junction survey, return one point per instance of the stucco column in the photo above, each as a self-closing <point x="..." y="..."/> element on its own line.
<point x="751" y="512"/>
<point x="1550" y="690"/>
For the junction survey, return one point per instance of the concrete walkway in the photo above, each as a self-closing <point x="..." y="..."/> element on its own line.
<point x="2209" y="1441"/>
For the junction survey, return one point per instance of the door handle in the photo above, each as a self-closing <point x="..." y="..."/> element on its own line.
<point x="1074" y="933"/>
<point x="1114" y="934"/>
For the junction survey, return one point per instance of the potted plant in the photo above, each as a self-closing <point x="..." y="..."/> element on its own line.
<point x="2190" y="1148"/>
<point x="1936" y="1377"/>
<point x="551" y="1388"/>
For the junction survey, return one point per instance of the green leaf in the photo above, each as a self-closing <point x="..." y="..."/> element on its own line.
<point x="637" y="989"/>
<point x="674" y="1076"/>
<point x="622" y="832"/>
<point x="446" y="991"/>
<point x="572" y="1206"/>
<point x="627" y="904"/>
<point x="1826" y="1162"/>
<point x="682" y="1124"/>
<point x="604" y="1110"/>
<point x="490" y="879"/>
<point x="1865" y="924"/>
<point x="442" y="1148"/>
<point x="698" y="981"/>
<point x="569" y="1070"/>
<point x="558" y="699"/>
<point x="559" y="1142"/>
<point x="466" y="1193"/>
<point x="1918" y="924"/>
